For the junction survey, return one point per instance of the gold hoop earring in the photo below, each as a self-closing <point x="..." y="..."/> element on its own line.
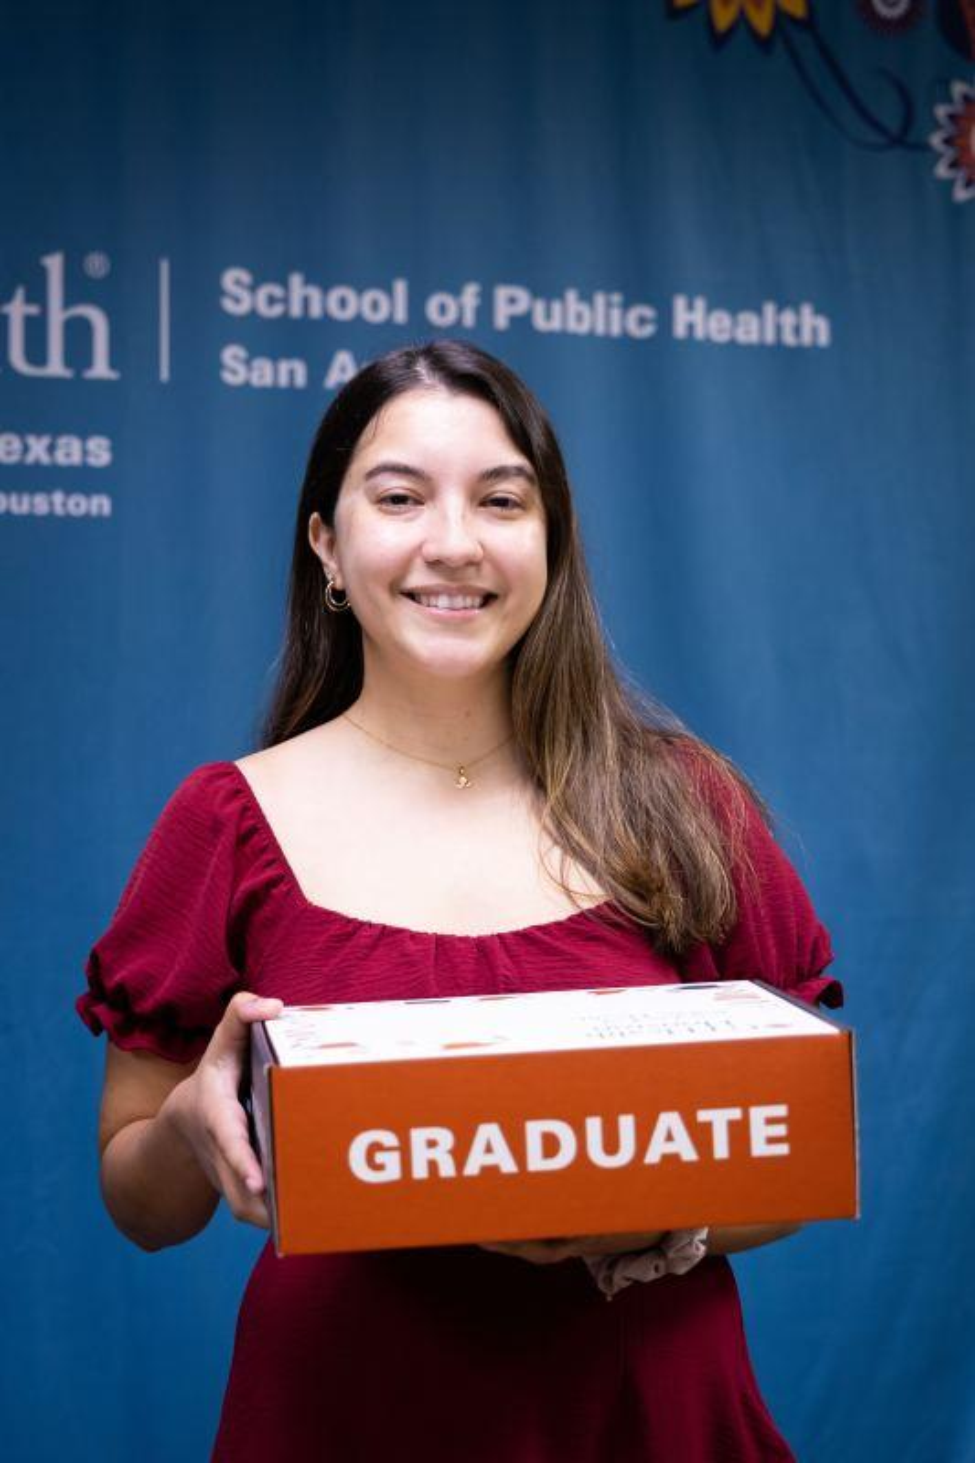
<point x="335" y="605"/>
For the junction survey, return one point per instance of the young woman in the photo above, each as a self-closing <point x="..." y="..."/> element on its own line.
<point x="455" y="795"/>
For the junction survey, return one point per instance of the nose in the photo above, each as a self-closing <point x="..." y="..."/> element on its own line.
<point x="452" y="537"/>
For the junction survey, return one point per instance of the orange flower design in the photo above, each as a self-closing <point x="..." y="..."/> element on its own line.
<point x="761" y="15"/>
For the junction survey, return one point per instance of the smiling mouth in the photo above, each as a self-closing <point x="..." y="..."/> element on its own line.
<point x="452" y="602"/>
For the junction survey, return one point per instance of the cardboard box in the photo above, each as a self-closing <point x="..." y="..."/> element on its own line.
<point x="445" y="1121"/>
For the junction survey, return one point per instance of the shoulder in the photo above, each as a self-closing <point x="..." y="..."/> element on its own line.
<point x="777" y="935"/>
<point x="763" y="874"/>
<point x="215" y="788"/>
<point x="295" y="753"/>
<point x="319" y="759"/>
<point x="202" y="798"/>
<point x="719" y="785"/>
<point x="198" y="816"/>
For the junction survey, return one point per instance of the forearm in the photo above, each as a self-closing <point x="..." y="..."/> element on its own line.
<point x="152" y="1185"/>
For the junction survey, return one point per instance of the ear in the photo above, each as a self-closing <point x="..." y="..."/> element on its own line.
<point x="322" y="540"/>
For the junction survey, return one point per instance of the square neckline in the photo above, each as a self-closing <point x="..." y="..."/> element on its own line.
<point x="603" y="908"/>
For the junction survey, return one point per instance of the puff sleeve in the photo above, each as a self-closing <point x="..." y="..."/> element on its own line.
<point x="162" y="972"/>
<point x="777" y="935"/>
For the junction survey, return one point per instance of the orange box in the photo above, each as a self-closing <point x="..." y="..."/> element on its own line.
<point x="388" y="1124"/>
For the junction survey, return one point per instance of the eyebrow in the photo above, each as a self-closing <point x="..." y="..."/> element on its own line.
<point x="497" y="474"/>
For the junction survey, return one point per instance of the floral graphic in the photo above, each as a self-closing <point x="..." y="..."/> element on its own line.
<point x="954" y="141"/>
<point x="891" y="16"/>
<point x="879" y="113"/>
<point x="761" y="15"/>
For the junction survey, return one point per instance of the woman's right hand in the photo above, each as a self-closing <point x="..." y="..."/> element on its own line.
<point x="206" y="1111"/>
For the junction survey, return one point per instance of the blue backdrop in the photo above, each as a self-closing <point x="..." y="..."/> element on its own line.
<point x="731" y="243"/>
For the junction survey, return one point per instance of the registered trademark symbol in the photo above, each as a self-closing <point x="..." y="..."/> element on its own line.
<point x="97" y="265"/>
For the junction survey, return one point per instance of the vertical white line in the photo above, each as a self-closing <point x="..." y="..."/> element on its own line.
<point x="164" y="319"/>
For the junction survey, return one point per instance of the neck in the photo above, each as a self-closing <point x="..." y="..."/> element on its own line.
<point x="445" y="720"/>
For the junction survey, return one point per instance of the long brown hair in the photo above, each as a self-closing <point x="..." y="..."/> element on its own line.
<point x="653" y="813"/>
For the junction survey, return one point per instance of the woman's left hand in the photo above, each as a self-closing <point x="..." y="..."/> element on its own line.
<point x="551" y="1251"/>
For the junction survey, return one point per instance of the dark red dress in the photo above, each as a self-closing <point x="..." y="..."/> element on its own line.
<point x="452" y="1354"/>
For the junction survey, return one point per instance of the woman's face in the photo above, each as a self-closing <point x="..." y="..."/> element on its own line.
<point x="439" y="537"/>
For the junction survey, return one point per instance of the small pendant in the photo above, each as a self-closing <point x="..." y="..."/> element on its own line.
<point x="462" y="779"/>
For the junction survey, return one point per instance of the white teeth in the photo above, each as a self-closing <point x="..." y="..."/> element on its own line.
<point x="450" y="601"/>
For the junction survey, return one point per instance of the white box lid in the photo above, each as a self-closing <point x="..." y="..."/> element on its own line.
<point x="504" y="1023"/>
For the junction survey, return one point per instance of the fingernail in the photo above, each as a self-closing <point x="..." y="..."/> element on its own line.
<point x="254" y="1184"/>
<point x="259" y="1001"/>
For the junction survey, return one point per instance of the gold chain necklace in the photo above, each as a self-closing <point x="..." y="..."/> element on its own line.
<point x="460" y="770"/>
